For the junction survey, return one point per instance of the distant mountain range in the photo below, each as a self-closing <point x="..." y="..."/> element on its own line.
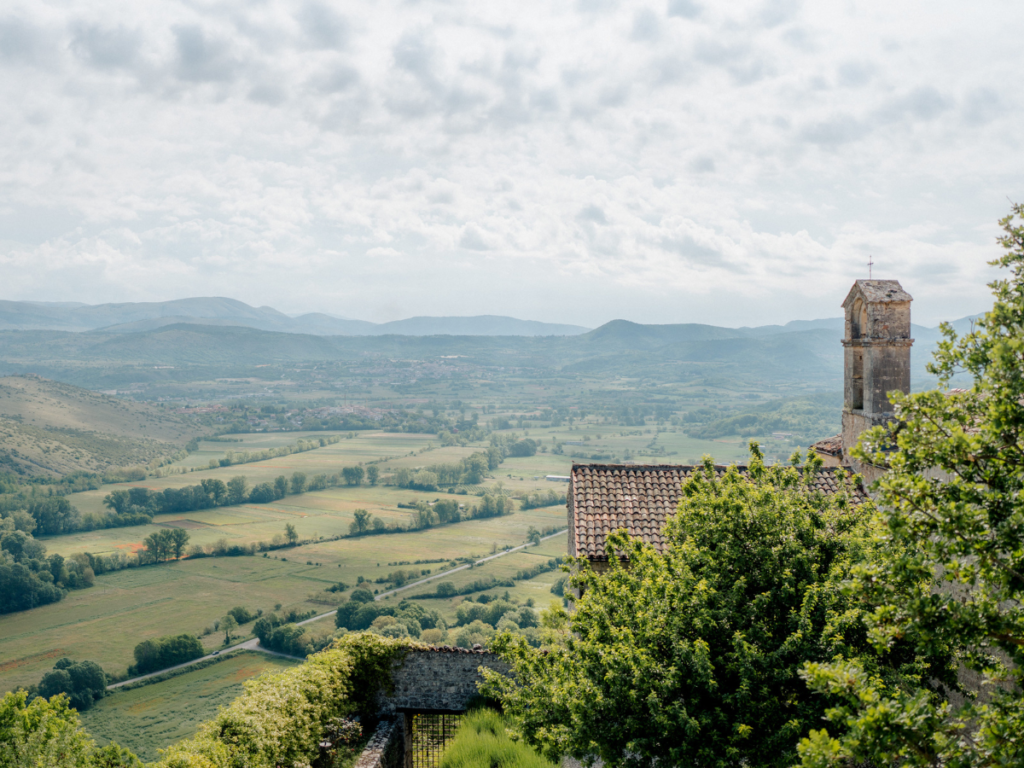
<point x="138" y="317"/>
<point x="142" y="317"/>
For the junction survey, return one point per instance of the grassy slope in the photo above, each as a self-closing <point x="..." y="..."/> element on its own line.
<point x="48" y="428"/>
<point x="155" y="716"/>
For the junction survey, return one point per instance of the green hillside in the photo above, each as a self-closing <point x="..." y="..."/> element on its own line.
<point x="52" y="429"/>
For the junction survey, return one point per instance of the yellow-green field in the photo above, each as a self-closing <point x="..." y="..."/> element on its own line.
<point x="538" y="588"/>
<point x="104" y="623"/>
<point x="158" y="715"/>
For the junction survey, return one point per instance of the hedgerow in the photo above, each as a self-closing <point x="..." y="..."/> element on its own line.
<point x="280" y="718"/>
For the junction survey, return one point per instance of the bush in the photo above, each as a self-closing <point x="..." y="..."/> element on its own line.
<point x="482" y="741"/>
<point x="446" y="589"/>
<point x="242" y="615"/>
<point x="82" y="681"/>
<point x="151" y="655"/>
<point x="280" y="719"/>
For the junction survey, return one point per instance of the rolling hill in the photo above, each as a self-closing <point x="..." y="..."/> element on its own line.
<point x="135" y="317"/>
<point x="52" y="429"/>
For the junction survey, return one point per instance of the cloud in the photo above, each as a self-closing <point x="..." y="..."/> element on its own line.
<point x="473" y="239"/>
<point x="324" y="27"/>
<point x="661" y="161"/>
<point x="22" y="42"/>
<point x="202" y="57"/>
<point x="687" y="9"/>
<point x="592" y="213"/>
<point x="106" y="47"/>
<point x="646" y="25"/>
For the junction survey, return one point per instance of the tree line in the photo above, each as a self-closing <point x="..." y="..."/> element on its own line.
<point x="29" y="578"/>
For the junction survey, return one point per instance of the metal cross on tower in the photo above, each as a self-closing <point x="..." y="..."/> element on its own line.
<point x="871" y="263"/>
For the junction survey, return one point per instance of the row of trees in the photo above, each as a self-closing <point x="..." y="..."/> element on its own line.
<point x="166" y="543"/>
<point x="164" y="652"/>
<point x="213" y="492"/>
<point x="361" y="610"/>
<point x="232" y="458"/>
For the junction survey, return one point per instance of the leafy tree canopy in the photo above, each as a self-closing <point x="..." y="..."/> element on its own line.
<point x="952" y="572"/>
<point x="691" y="656"/>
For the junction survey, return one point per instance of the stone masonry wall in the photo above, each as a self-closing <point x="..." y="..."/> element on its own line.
<point x="442" y="679"/>
<point x="386" y="748"/>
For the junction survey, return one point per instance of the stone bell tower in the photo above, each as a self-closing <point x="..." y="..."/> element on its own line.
<point x="876" y="357"/>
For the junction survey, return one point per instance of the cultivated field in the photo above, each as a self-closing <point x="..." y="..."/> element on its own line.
<point x="104" y="623"/>
<point x="156" y="716"/>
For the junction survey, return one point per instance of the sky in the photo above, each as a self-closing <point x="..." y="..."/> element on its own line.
<point x="683" y="161"/>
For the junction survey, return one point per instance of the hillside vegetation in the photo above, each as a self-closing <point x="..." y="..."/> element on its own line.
<point x="53" y="429"/>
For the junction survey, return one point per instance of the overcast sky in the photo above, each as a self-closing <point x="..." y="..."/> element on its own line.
<point x="683" y="161"/>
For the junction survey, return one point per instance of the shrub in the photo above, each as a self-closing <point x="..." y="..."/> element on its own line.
<point x="151" y="655"/>
<point x="280" y="718"/>
<point x="82" y="681"/>
<point x="446" y="589"/>
<point x="362" y="595"/>
<point x="482" y="740"/>
<point x="49" y="733"/>
<point x="242" y="615"/>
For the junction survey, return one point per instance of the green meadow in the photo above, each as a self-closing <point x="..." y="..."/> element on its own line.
<point x="155" y="716"/>
<point x="105" y="622"/>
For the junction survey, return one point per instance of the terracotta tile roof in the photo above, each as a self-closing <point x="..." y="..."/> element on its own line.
<point x="832" y="446"/>
<point x="639" y="498"/>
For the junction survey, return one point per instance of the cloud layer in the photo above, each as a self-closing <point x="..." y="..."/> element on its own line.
<point x="666" y="162"/>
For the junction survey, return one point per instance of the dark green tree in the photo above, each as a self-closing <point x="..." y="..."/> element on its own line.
<point x="54" y="515"/>
<point x="352" y="475"/>
<point x="237" y="490"/>
<point x="298" y="483"/>
<point x="118" y="501"/>
<point x="178" y="539"/>
<point x="361" y="523"/>
<point x="83" y="682"/>
<point x="280" y="487"/>
<point x="290" y="533"/>
<point x="372" y="474"/>
<point x="216" y="490"/>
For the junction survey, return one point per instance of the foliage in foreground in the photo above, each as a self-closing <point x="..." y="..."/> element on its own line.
<point x="954" y="546"/>
<point x="280" y="718"/>
<point x="278" y="721"/>
<point x="691" y="657"/>
<point x="48" y="733"/>
<point x="482" y="742"/>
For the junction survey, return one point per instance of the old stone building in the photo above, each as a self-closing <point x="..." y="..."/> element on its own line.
<point x="605" y="497"/>
<point x="876" y="361"/>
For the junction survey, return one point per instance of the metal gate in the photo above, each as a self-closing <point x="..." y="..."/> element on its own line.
<point x="430" y="735"/>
